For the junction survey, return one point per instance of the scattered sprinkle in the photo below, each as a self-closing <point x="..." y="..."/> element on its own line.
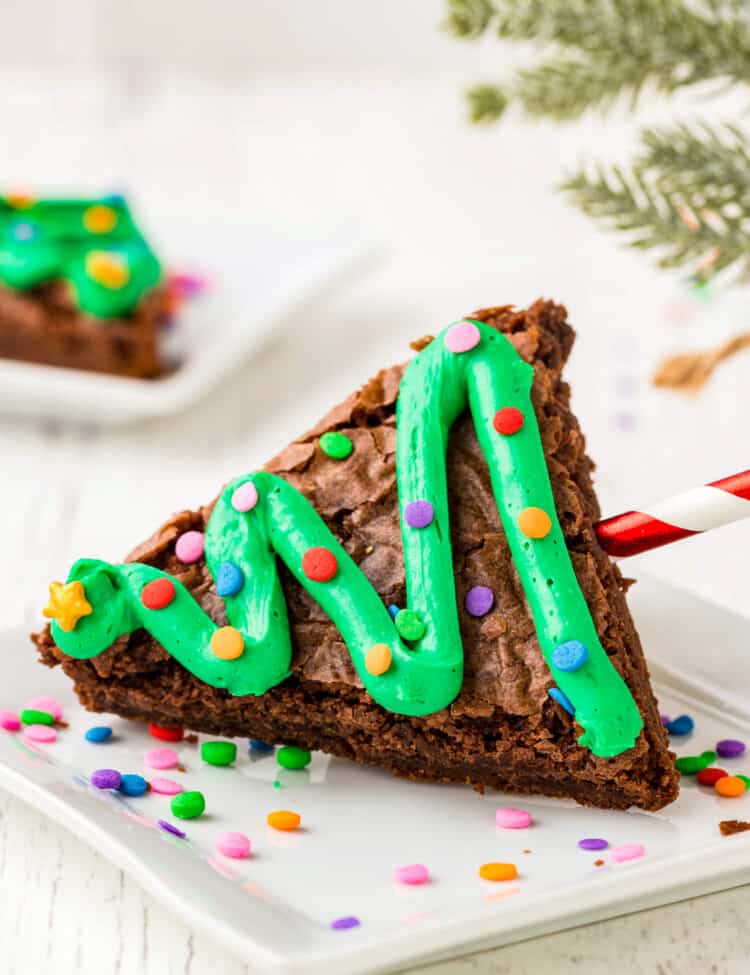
<point x="158" y="593"/>
<point x="48" y="704"/>
<point x="692" y="764"/>
<point x="106" y="778"/>
<point x="229" y="579"/>
<point x="227" y="643"/>
<point x="593" y="843"/>
<point x="681" y="726"/>
<point x="9" y="721"/>
<point x="319" y="564"/>
<point x="627" y="851"/>
<point x="513" y="818"/>
<point x="219" y="752"/>
<point x="393" y="610"/>
<point x="41" y="733"/>
<point x="344" y="923"/>
<point x="730" y="786"/>
<point x="710" y="776"/>
<point x="378" y="659"/>
<point x="598" y="863"/>
<point x="260" y="746"/>
<point x="508" y="421"/>
<point x="188" y="805"/>
<point x="293" y="758"/>
<point x="498" y="871"/>
<point x="165" y="734"/>
<point x="98" y="734"/>
<point x="414" y="874"/>
<point x="728" y="827"/>
<point x="730" y="748"/>
<point x="161" y="758"/>
<point x="570" y="656"/>
<point x="171" y="829"/>
<point x="462" y="337"/>
<point x="245" y="497"/>
<point x="32" y="716"/>
<point x="409" y="625"/>
<point x="419" y="514"/>
<point x="284" y="820"/>
<point x="534" y="523"/>
<point x="665" y="720"/>
<point x="166" y="787"/>
<point x="557" y="695"/>
<point x="479" y="600"/>
<point x="133" y="785"/>
<point x="337" y="446"/>
<point x="233" y="845"/>
<point x="189" y="547"/>
<point x="99" y="219"/>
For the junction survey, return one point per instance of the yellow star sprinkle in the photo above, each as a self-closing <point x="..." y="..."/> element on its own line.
<point x="107" y="269"/>
<point x="67" y="604"/>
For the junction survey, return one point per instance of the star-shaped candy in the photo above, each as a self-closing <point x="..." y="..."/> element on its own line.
<point x="67" y="604"/>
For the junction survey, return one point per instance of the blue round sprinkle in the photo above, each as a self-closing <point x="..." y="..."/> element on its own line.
<point x="681" y="726"/>
<point x="261" y="746"/>
<point x="557" y="695"/>
<point x="570" y="656"/>
<point x="393" y="610"/>
<point x="99" y="734"/>
<point x="24" y="231"/>
<point x="229" y="579"/>
<point x="133" y="785"/>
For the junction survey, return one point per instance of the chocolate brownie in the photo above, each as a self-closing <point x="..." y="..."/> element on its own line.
<point x="503" y="730"/>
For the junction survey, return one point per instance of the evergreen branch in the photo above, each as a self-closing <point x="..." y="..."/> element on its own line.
<point x="687" y="196"/>
<point x="486" y="103"/>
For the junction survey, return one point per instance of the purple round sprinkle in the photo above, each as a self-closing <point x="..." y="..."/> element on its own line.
<point x="665" y="720"/>
<point x="169" y="828"/>
<point x="730" y="748"/>
<point x="106" y="778"/>
<point x="479" y="601"/>
<point x="343" y="923"/>
<point x="593" y="843"/>
<point x="419" y="514"/>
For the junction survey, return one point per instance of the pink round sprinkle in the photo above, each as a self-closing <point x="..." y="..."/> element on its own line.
<point x="415" y="873"/>
<point x="162" y="758"/>
<point x="165" y="787"/>
<point x="627" y="851"/>
<point x="234" y="845"/>
<point x="245" y="497"/>
<point x="40" y="732"/>
<point x="462" y="336"/>
<point x="189" y="547"/>
<point x="9" y="721"/>
<point x="48" y="704"/>
<point x="513" y="818"/>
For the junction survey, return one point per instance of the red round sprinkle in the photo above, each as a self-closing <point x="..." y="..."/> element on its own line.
<point x="158" y="594"/>
<point x="166" y="734"/>
<point x="710" y="776"/>
<point x="507" y="421"/>
<point x="319" y="564"/>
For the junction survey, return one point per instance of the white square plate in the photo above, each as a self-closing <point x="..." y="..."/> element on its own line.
<point x="256" y="274"/>
<point x="275" y="909"/>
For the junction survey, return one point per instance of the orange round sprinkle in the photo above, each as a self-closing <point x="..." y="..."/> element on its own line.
<point x="498" y="871"/>
<point x="20" y="201"/>
<point x="534" y="523"/>
<point x="227" y="643"/>
<point x="107" y="269"/>
<point x="730" y="786"/>
<point x="99" y="219"/>
<point x="283" y="819"/>
<point x="378" y="659"/>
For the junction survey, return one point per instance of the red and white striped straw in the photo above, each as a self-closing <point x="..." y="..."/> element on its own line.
<point x="681" y="516"/>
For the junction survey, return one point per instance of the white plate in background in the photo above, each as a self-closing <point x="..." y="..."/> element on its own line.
<point x="256" y="274"/>
<point x="274" y="910"/>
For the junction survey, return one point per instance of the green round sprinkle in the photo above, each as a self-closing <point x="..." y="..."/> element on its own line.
<point x="292" y="757"/>
<point x="30" y="716"/>
<point x="745" y="779"/>
<point x="692" y="764"/>
<point x="409" y="625"/>
<point x="336" y="445"/>
<point x="188" y="805"/>
<point x="218" y="752"/>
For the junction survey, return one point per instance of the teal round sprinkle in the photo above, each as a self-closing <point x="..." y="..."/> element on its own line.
<point x="99" y="734"/>
<point x="188" y="805"/>
<point x="292" y="757"/>
<point x="133" y="785"/>
<point x="31" y="716"/>
<point x="336" y="445"/>
<point x="409" y="625"/>
<point x="218" y="752"/>
<point x="692" y="764"/>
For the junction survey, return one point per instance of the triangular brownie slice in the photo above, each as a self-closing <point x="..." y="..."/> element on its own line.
<point x="505" y="721"/>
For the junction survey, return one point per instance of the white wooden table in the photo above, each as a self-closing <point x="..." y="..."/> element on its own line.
<point x="466" y="219"/>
